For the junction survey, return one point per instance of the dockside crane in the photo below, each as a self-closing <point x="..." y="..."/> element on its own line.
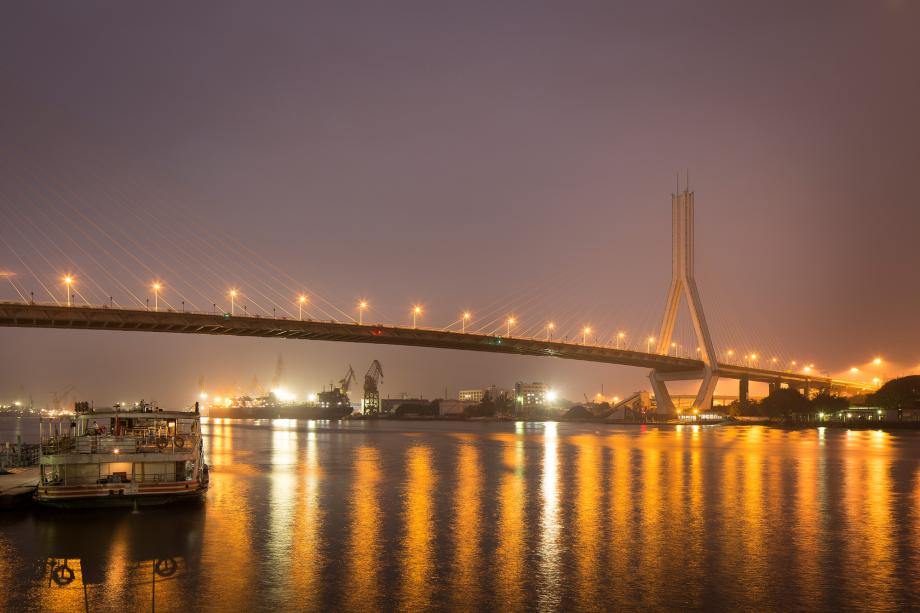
<point x="345" y="383"/>
<point x="371" y="388"/>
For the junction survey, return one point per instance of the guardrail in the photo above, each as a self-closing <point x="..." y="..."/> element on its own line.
<point x="148" y="443"/>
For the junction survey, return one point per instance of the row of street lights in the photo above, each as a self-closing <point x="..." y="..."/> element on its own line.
<point x="750" y="359"/>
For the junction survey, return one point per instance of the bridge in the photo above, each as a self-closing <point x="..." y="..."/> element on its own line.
<point x="663" y="367"/>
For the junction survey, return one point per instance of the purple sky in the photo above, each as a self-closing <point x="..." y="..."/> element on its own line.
<point x="518" y="155"/>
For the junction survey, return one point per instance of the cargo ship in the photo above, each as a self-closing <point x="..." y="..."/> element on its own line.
<point x="121" y="456"/>
<point x="332" y="403"/>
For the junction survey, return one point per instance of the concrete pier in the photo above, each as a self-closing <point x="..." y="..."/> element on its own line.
<point x="17" y="487"/>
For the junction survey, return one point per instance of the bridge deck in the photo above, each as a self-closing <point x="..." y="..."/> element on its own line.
<point x="106" y="318"/>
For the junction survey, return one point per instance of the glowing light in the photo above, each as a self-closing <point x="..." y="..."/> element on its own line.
<point x="584" y="337"/>
<point x="465" y="318"/>
<point x="156" y="295"/>
<point x="854" y="370"/>
<point x="116" y="451"/>
<point x="416" y="311"/>
<point x="361" y="306"/>
<point x="877" y="361"/>
<point x="282" y="394"/>
<point x="511" y="322"/>
<point x="68" y="281"/>
<point x="203" y="396"/>
<point x="312" y="397"/>
<point x="551" y="396"/>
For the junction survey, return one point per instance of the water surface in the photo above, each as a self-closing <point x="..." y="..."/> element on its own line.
<point x="509" y="516"/>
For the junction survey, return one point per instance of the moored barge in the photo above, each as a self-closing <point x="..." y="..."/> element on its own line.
<point x="117" y="456"/>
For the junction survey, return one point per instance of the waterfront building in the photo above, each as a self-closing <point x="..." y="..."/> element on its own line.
<point x="478" y="395"/>
<point x="529" y="397"/>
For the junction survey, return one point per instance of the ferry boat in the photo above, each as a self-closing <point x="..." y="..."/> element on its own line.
<point x="117" y="456"/>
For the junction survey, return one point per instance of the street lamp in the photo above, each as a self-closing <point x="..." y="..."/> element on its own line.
<point x="511" y="322"/>
<point x="301" y="300"/>
<point x="877" y="361"/>
<point x="674" y="347"/>
<point x="549" y="330"/>
<point x="620" y="337"/>
<point x="361" y="306"/>
<point x="729" y="353"/>
<point x="584" y="335"/>
<point x="416" y="311"/>
<point x="233" y="294"/>
<point x="156" y="295"/>
<point x="466" y="317"/>
<point x="648" y="344"/>
<point x="68" y="281"/>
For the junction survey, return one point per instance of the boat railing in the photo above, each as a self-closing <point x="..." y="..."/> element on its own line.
<point x="149" y="442"/>
<point x="57" y="479"/>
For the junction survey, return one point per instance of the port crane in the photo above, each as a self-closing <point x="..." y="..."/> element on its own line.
<point x="371" y="388"/>
<point x="346" y="382"/>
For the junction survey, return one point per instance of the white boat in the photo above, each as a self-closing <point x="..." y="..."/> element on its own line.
<point x="116" y="456"/>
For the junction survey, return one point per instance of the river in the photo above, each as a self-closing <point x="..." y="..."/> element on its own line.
<point x="499" y="516"/>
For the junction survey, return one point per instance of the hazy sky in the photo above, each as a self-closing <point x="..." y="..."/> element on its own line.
<point x="502" y="157"/>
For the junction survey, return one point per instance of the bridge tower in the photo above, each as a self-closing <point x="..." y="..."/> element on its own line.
<point x="683" y="284"/>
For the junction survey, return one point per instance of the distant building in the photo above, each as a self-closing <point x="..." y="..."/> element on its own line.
<point x="478" y="395"/>
<point x="529" y="397"/>
<point x="472" y="395"/>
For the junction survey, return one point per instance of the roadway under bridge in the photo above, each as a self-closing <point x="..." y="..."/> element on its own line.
<point x="23" y="315"/>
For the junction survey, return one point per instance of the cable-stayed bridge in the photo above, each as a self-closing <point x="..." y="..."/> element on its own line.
<point x="664" y="367"/>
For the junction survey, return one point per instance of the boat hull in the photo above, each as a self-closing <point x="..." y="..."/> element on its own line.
<point x="119" y="494"/>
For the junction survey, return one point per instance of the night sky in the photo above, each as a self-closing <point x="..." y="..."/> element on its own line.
<point x="501" y="157"/>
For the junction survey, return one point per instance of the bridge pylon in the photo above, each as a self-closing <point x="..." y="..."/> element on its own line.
<point x="683" y="283"/>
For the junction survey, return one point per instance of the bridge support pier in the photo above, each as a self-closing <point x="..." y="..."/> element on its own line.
<point x="683" y="285"/>
<point x="744" y="387"/>
<point x="703" y="401"/>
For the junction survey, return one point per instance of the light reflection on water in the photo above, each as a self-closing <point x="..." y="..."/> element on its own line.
<point x="415" y="516"/>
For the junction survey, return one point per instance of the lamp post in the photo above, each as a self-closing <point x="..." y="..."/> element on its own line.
<point x="620" y="337"/>
<point x="510" y="323"/>
<point x="549" y="331"/>
<point x="233" y="294"/>
<point x="466" y="317"/>
<point x="301" y="300"/>
<point x="416" y="311"/>
<point x="156" y="295"/>
<point x="361" y="306"/>
<point x="648" y="344"/>
<point x="68" y="281"/>
<point x="584" y="335"/>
